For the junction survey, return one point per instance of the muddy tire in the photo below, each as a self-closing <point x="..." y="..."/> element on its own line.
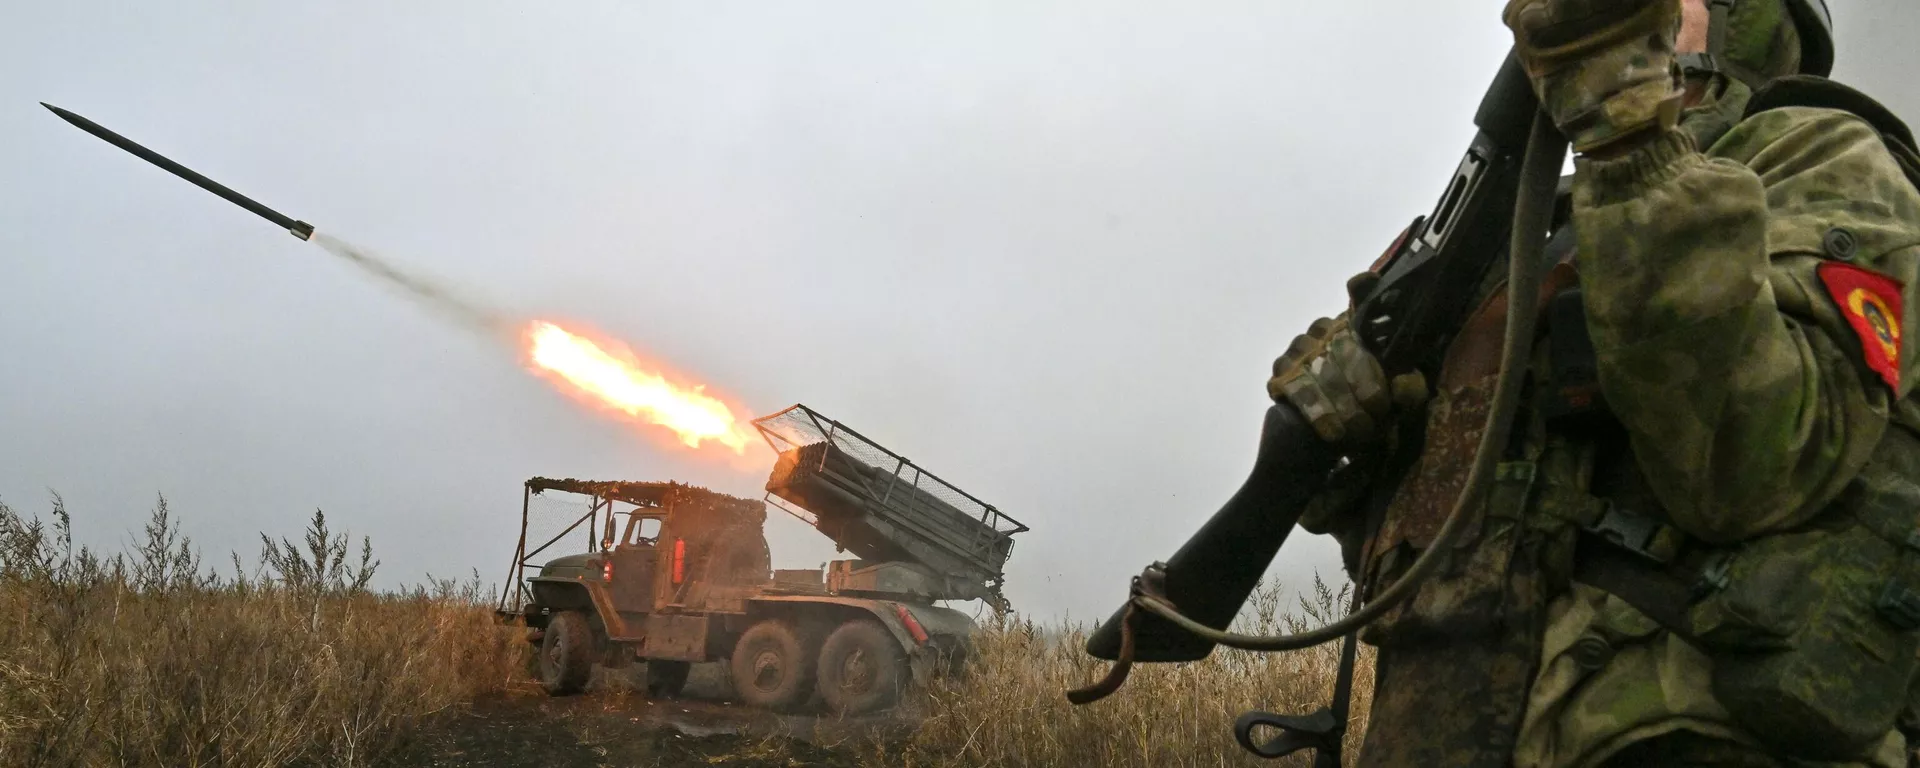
<point x="567" y="653"/>
<point x="665" y="678"/>
<point x="862" y="668"/>
<point x="771" y="667"/>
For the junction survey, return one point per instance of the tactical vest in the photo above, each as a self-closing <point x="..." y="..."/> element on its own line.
<point x="1814" y="632"/>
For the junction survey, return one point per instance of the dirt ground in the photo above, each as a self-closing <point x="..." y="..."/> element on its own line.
<point x="614" y="725"/>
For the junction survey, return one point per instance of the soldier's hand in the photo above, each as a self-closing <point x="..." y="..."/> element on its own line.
<point x="1335" y="382"/>
<point x="1603" y="69"/>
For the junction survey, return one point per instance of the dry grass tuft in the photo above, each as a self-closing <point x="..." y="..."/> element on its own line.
<point x="1011" y="710"/>
<point x="150" y="659"/>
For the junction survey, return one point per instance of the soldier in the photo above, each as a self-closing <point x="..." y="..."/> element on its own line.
<point x="1700" y="548"/>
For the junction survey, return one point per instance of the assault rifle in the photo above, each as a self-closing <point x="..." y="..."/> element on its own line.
<point x="1425" y="290"/>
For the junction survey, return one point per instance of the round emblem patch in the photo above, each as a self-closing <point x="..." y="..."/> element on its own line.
<point x="1879" y="317"/>
<point x="1872" y="304"/>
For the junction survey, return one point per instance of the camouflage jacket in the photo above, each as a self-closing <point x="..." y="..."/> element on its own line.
<point x="1746" y="396"/>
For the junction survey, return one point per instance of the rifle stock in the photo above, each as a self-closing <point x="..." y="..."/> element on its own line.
<point x="1235" y="546"/>
<point x="1423" y="296"/>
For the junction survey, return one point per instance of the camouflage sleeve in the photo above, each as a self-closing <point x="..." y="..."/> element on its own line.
<point x="1742" y="386"/>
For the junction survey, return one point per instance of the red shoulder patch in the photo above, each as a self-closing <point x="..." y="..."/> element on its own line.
<point x="1872" y="304"/>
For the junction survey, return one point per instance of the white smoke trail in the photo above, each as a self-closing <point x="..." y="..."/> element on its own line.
<point x="435" y="296"/>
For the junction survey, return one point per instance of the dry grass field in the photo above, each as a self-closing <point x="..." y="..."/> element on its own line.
<point x="150" y="659"/>
<point x="154" y="658"/>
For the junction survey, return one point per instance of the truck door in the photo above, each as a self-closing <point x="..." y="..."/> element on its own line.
<point x="633" y="563"/>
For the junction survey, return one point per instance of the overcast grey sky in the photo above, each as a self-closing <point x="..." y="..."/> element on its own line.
<point x="1048" y="250"/>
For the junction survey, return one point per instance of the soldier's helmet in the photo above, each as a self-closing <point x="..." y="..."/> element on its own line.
<point x="1815" y="25"/>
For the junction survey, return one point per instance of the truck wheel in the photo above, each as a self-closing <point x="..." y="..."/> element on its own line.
<point x="862" y="668"/>
<point x="666" y="678"/>
<point x="567" y="653"/>
<point x="771" y="667"/>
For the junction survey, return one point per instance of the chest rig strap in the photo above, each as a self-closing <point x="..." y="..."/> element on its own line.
<point x="1633" y="554"/>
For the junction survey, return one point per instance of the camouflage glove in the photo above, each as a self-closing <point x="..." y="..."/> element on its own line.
<point x="1603" y="69"/>
<point x="1335" y="382"/>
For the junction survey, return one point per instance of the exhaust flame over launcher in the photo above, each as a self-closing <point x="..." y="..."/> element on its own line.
<point x="605" y="373"/>
<point x="612" y="377"/>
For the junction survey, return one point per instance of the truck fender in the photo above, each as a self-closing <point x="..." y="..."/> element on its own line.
<point x="560" y="593"/>
<point x="570" y="594"/>
<point x="913" y="626"/>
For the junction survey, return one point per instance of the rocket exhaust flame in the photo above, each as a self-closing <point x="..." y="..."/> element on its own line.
<point x="604" y="372"/>
<point x="609" y="374"/>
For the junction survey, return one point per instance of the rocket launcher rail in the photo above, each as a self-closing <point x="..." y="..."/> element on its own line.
<point x="882" y="507"/>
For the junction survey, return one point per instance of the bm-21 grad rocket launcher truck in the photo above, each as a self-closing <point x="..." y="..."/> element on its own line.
<point x="675" y="575"/>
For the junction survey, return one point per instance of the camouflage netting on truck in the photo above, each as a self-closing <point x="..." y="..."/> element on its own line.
<point x="725" y="549"/>
<point x="880" y="506"/>
<point x="651" y="494"/>
<point x="725" y="535"/>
